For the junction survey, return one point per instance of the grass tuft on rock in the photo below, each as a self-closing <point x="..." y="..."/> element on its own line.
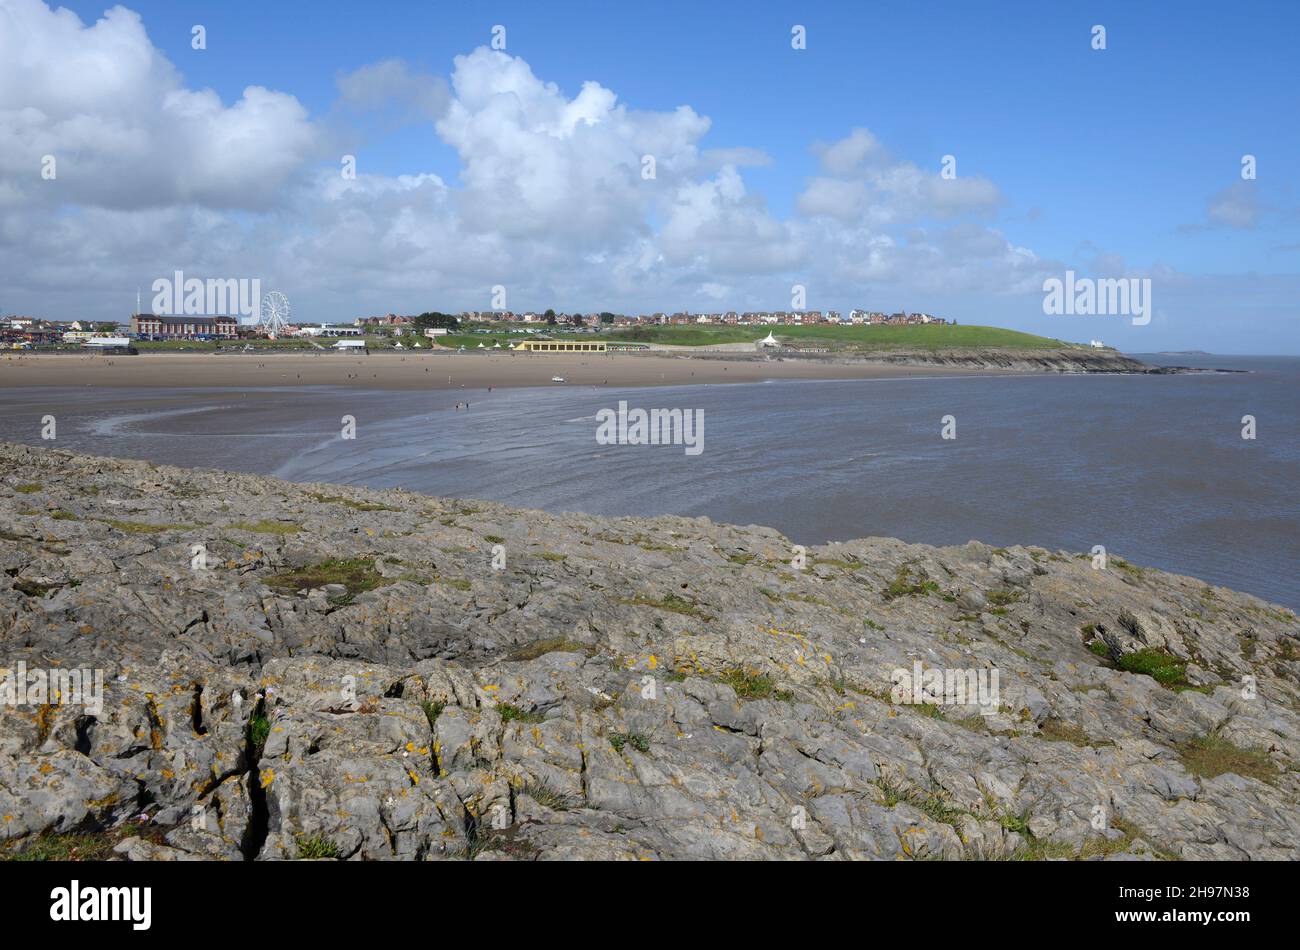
<point x="432" y="711"/>
<point x="356" y="574"/>
<point x="511" y="713"/>
<point x="314" y="847"/>
<point x="89" y="846"/>
<point x="259" y="729"/>
<point x="1213" y="755"/>
<point x="751" y="685"/>
<point x="266" y="526"/>
<point x="532" y="651"/>
<point x="1165" y="668"/>
<point x="903" y="585"/>
<point x="670" y="602"/>
<point x="546" y="796"/>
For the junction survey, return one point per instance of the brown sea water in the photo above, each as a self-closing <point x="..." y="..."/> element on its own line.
<point x="1152" y="467"/>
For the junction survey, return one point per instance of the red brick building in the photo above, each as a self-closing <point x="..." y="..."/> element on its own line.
<point x="148" y="326"/>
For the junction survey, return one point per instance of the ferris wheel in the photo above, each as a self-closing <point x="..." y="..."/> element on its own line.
<point x="275" y="313"/>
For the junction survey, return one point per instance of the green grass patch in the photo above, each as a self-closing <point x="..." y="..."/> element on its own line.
<point x="268" y="527"/>
<point x="903" y="585"/>
<point x="670" y="602"/>
<point x="1059" y="730"/>
<point x="432" y="711"/>
<point x="859" y="338"/>
<point x="935" y="805"/>
<point x="1132" y="570"/>
<point x="74" y="846"/>
<point x="1213" y="755"/>
<point x="1164" y="668"/>
<point x="354" y="505"/>
<point x="356" y="574"/>
<point x="1002" y="598"/>
<point x="538" y="648"/>
<point x="750" y="685"/>
<point x="544" y="795"/>
<point x="259" y="728"/>
<point x="836" y="562"/>
<point x="28" y="488"/>
<point x="313" y="847"/>
<point x="511" y="713"/>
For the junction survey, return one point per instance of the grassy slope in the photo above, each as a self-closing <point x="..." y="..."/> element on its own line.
<point x="857" y="338"/>
<point x="922" y="337"/>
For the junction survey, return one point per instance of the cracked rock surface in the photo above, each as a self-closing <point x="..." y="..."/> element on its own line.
<point x="296" y="671"/>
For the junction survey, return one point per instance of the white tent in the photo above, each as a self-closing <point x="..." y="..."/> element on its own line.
<point x="769" y="340"/>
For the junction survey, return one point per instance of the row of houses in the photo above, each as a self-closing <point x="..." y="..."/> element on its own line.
<point x="683" y="318"/>
<point x="17" y="332"/>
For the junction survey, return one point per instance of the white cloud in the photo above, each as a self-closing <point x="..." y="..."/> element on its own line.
<point x="549" y="198"/>
<point x="859" y="181"/>
<point x="123" y="130"/>
<point x="1236" y="206"/>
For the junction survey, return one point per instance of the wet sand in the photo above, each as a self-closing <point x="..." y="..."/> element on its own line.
<point x="429" y="370"/>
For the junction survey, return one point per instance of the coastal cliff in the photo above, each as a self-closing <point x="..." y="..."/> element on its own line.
<point x="322" y="671"/>
<point x="996" y="359"/>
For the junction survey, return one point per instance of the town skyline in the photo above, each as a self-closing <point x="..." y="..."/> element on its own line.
<point x="362" y="165"/>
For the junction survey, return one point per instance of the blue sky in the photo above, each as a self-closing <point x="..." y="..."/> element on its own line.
<point x="1107" y="162"/>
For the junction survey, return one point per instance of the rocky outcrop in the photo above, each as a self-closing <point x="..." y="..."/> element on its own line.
<point x="318" y="671"/>
<point x="1021" y="360"/>
<point x="1017" y="360"/>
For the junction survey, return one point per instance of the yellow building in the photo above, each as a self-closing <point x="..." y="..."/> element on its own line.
<point x="559" y="346"/>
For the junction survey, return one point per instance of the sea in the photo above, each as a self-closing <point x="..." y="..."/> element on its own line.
<point x="1155" y="468"/>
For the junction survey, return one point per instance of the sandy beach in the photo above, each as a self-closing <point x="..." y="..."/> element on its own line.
<point x="430" y="370"/>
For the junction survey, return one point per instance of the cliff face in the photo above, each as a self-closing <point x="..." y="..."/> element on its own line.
<point x="1039" y="361"/>
<point x="389" y="675"/>
<point x="1005" y="360"/>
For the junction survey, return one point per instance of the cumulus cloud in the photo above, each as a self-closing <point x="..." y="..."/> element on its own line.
<point x="122" y="129"/>
<point x="859" y="181"/>
<point x="553" y="198"/>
